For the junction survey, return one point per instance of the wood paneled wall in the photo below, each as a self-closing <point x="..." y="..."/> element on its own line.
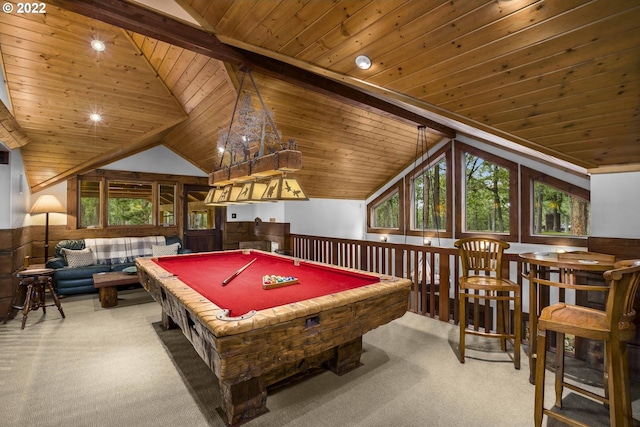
<point x="15" y="244"/>
<point x="248" y="231"/>
<point x="624" y="249"/>
<point x="621" y="248"/>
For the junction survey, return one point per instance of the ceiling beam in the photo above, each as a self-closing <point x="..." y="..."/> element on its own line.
<point x="10" y="131"/>
<point x="141" y="20"/>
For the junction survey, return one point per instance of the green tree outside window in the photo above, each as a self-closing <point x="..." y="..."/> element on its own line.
<point x="430" y="198"/>
<point x="486" y="196"/>
<point x="130" y="203"/>
<point x="386" y="213"/>
<point x="556" y="212"/>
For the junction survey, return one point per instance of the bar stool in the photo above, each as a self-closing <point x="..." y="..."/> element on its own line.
<point x="34" y="283"/>
<point x="482" y="279"/>
<point x="614" y="326"/>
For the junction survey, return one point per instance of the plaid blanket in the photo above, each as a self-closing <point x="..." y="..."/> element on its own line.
<point x="120" y="250"/>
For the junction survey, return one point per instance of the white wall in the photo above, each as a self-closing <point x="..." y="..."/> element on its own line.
<point x="6" y="193"/>
<point x="615" y="205"/>
<point x="264" y="211"/>
<point x="14" y="191"/>
<point x="327" y="217"/>
<point x="158" y="159"/>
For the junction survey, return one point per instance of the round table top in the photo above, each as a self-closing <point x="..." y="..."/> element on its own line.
<point x="35" y="272"/>
<point x="554" y="259"/>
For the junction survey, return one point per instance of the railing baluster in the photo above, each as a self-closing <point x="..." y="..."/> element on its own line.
<point x="401" y="260"/>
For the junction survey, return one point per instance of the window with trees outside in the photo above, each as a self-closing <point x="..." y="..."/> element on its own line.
<point x="105" y="202"/>
<point x="553" y="211"/>
<point x="384" y="213"/>
<point x="167" y="205"/>
<point x="558" y="213"/>
<point x="89" y="212"/>
<point x="129" y="203"/>
<point x="488" y="185"/>
<point x="429" y="205"/>
<point x="430" y="196"/>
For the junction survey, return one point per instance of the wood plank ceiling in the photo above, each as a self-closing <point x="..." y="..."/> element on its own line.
<point x="562" y="77"/>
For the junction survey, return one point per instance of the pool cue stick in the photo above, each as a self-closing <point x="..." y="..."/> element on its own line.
<point x="234" y="275"/>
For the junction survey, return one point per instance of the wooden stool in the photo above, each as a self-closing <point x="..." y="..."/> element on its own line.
<point x="482" y="279"/>
<point x="34" y="284"/>
<point x="614" y="326"/>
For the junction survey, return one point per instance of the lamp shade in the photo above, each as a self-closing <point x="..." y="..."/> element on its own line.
<point x="252" y="192"/>
<point x="284" y="188"/>
<point x="213" y="196"/>
<point x="229" y="194"/>
<point x="47" y="203"/>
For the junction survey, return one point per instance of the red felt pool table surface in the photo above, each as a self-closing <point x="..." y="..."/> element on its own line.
<point x="205" y="272"/>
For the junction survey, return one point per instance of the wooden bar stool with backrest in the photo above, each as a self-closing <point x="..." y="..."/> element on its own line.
<point x="482" y="280"/>
<point x="614" y="326"/>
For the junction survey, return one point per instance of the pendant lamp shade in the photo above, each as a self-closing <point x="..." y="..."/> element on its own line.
<point x="252" y="192"/>
<point x="284" y="188"/>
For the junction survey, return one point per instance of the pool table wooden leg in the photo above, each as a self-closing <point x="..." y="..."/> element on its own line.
<point x="245" y="400"/>
<point x="167" y="322"/>
<point x="346" y="357"/>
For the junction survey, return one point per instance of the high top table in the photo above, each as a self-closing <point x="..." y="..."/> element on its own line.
<point x="36" y="281"/>
<point x="571" y="268"/>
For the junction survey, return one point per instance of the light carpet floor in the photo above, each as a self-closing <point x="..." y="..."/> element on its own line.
<point x="117" y="367"/>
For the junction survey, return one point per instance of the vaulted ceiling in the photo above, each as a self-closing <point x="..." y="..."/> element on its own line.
<point x="560" y="77"/>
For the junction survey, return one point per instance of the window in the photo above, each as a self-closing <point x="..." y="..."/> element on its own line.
<point x="558" y="213"/>
<point x="553" y="211"/>
<point x="429" y="190"/>
<point x="89" y="210"/>
<point x="384" y="213"/>
<point x="118" y="199"/>
<point x="199" y="215"/>
<point x="429" y="206"/>
<point x="488" y="202"/>
<point x="486" y="196"/>
<point x="129" y="203"/>
<point x="167" y="205"/>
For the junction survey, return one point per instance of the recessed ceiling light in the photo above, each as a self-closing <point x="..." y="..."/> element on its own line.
<point x="98" y="45"/>
<point x="95" y="117"/>
<point x="363" y="62"/>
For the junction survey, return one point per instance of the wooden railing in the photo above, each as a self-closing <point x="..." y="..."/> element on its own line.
<point x="439" y="266"/>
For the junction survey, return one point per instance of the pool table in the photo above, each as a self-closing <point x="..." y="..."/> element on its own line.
<point x="252" y="337"/>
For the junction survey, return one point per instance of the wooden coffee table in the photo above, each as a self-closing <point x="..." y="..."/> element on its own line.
<point x="107" y="284"/>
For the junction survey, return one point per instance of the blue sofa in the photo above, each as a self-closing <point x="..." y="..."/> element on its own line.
<point x="76" y="280"/>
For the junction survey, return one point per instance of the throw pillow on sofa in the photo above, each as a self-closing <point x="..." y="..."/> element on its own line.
<point x="78" y="258"/>
<point x="164" y="250"/>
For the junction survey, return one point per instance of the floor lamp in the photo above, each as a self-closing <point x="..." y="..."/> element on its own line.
<point x="47" y="204"/>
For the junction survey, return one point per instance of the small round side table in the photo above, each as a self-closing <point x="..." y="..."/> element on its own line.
<point x="34" y="283"/>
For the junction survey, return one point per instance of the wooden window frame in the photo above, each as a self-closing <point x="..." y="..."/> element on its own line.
<point x="154" y="201"/>
<point x="445" y="152"/>
<point x="460" y="150"/>
<point x="527" y="178"/>
<point x="103" y="175"/>
<point x="396" y="187"/>
<point x="156" y="206"/>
